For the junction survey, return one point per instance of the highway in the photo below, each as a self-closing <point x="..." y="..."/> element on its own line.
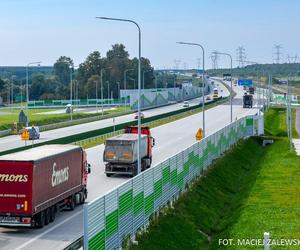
<point x="14" y="141"/>
<point x="170" y="139"/>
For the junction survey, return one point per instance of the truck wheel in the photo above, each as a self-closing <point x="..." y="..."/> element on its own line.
<point x="134" y="171"/>
<point x="47" y="216"/>
<point x="52" y="214"/>
<point x="40" y="219"/>
<point x="108" y="175"/>
<point x="82" y="197"/>
<point x="72" y="203"/>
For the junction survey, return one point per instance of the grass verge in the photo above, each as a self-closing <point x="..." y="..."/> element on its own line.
<point x="275" y="122"/>
<point x="236" y="199"/>
<point x="37" y="117"/>
<point x="211" y="206"/>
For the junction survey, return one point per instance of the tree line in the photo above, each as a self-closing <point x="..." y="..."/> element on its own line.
<point x="86" y="78"/>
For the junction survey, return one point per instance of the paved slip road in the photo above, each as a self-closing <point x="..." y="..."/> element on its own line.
<point x="170" y="139"/>
<point x="14" y="141"/>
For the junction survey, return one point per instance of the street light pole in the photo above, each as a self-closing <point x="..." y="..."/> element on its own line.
<point x="227" y="54"/>
<point x="258" y="88"/>
<point x="139" y="83"/>
<point x="289" y="113"/>
<point x="203" y="81"/>
<point x="125" y="87"/>
<point x="101" y="73"/>
<point x="144" y="77"/>
<point x="71" y="91"/>
<point x="118" y="96"/>
<point x="27" y="89"/>
<point x="12" y="90"/>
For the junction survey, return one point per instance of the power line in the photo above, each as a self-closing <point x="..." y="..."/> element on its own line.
<point x="177" y="63"/>
<point x="185" y="65"/>
<point x="292" y="59"/>
<point x="214" y="58"/>
<point x="278" y="53"/>
<point x="241" y="56"/>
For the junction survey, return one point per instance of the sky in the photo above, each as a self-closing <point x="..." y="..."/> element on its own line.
<point x="44" y="30"/>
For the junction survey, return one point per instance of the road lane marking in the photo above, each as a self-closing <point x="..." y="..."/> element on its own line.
<point x="47" y="231"/>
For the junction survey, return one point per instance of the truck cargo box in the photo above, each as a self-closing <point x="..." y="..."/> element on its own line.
<point x="123" y="148"/>
<point x="35" y="179"/>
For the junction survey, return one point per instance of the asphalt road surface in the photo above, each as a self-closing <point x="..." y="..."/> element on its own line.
<point x="170" y="139"/>
<point x="14" y="141"/>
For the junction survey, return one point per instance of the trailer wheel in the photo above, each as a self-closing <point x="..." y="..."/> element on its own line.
<point x="47" y="216"/>
<point x="82" y="197"/>
<point x="40" y="219"/>
<point x="134" y="171"/>
<point x="52" y="214"/>
<point x="72" y="203"/>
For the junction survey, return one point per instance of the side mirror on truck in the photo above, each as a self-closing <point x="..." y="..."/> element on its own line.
<point x="88" y="168"/>
<point x="153" y="141"/>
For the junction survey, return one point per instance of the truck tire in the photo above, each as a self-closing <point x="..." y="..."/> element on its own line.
<point x="108" y="175"/>
<point x="134" y="171"/>
<point x="82" y="197"/>
<point x="52" y="213"/>
<point x="47" y="216"/>
<point x="40" y="219"/>
<point x="72" y="203"/>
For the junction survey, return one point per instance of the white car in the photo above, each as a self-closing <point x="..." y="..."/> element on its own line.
<point x="186" y="104"/>
<point x="34" y="132"/>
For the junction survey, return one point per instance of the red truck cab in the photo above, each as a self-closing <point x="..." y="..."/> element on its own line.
<point x="144" y="131"/>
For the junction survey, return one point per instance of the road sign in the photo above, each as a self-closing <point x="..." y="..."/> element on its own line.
<point x="25" y="135"/>
<point x="199" y="134"/>
<point x="245" y="82"/>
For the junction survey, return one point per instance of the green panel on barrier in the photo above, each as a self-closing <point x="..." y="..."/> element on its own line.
<point x="111" y="223"/>
<point x="149" y="204"/>
<point x="157" y="189"/>
<point x="166" y="175"/>
<point x="249" y="122"/>
<point x="180" y="180"/>
<point x="138" y="203"/>
<point x="173" y="177"/>
<point x="98" y="241"/>
<point x="201" y="161"/>
<point x="125" y="202"/>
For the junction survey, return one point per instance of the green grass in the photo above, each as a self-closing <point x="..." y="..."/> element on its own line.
<point x="275" y="122"/>
<point x="36" y="118"/>
<point x="211" y="206"/>
<point x="273" y="204"/>
<point x="238" y="198"/>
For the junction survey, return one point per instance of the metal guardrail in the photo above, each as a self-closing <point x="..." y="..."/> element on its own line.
<point x="118" y="215"/>
<point x="75" y="245"/>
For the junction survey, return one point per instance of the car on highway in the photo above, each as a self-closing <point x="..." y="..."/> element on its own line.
<point x="136" y="116"/>
<point x="215" y="96"/>
<point x="34" y="132"/>
<point x="186" y="104"/>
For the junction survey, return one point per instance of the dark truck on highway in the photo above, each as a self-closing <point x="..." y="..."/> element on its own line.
<point x="36" y="183"/>
<point x="120" y="153"/>
<point x="251" y="90"/>
<point x="247" y="101"/>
